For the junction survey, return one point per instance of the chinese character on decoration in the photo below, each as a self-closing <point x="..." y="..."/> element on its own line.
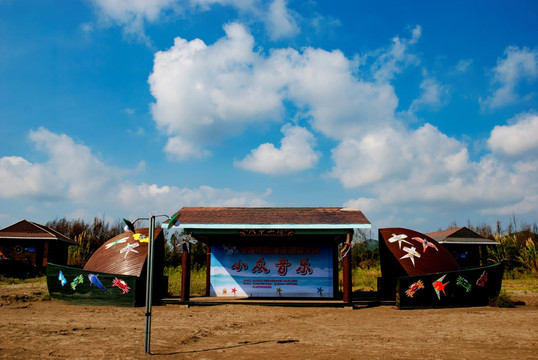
<point x="282" y="265"/>
<point x="260" y="266"/>
<point x="239" y="265"/>
<point x="304" y="268"/>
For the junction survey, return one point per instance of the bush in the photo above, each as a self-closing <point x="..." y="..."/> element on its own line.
<point x="503" y="300"/>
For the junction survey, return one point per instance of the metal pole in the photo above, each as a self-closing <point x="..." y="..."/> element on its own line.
<point x="149" y="285"/>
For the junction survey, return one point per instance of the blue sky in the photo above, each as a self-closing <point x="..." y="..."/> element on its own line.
<point x="420" y="115"/>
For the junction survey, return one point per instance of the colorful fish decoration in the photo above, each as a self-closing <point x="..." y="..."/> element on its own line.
<point x="482" y="279"/>
<point x="121" y="284"/>
<point x="463" y="282"/>
<point x="62" y="279"/>
<point x="413" y="288"/>
<point x="115" y="242"/>
<point x="78" y="280"/>
<point x="128" y="248"/>
<point x="411" y="254"/>
<point x="400" y="239"/>
<point x="95" y="281"/>
<point x="425" y="244"/>
<point x="439" y="286"/>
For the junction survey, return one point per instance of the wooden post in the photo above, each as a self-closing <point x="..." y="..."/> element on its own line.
<point x="185" y="274"/>
<point x="208" y="270"/>
<point x="346" y="276"/>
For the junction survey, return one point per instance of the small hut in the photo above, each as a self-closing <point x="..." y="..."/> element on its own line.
<point x="27" y="245"/>
<point x="468" y="247"/>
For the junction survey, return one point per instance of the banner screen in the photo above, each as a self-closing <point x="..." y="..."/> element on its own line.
<point x="269" y="271"/>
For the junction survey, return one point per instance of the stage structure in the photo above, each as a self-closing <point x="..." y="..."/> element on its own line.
<point x="271" y="252"/>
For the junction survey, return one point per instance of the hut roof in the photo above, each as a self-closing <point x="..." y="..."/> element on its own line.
<point x="25" y="229"/>
<point x="124" y="254"/>
<point x="272" y="218"/>
<point x="460" y="235"/>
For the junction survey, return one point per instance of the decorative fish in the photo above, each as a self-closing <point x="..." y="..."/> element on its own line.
<point x="95" y="281"/>
<point x="114" y="243"/>
<point x="439" y="286"/>
<point x="78" y="280"/>
<point x="62" y="279"/>
<point x="121" y="284"/>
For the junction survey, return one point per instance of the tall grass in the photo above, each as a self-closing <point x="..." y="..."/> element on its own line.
<point x="365" y="279"/>
<point x="519" y="256"/>
<point x="198" y="280"/>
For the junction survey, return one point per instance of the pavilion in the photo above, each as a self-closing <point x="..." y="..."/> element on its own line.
<point x="271" y="252"/>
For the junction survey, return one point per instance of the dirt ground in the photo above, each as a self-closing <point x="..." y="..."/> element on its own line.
<point x="32" y="329"/>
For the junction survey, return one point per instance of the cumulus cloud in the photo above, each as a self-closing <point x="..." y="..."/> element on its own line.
<point x="134" y="15"/>
<point x="425" y="170"/>
<point x="519" y="65"/>
<point x="295" y="154"/>
<point x="517" y="139"/>
<point x="71" y="172"/>
<point x="280" y="21"/>
<point x="73" y="175"/>
<point x="395" y="153"/>
<point x="206" y="93"/>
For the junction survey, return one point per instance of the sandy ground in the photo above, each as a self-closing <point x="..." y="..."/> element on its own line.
<point x="33" y="329"/>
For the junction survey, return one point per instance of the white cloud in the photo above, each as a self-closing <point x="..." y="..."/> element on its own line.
<point x="280" y="21"/>
<point x="339" y="104"/>
<point x="394" y="153"/>
<point x="72" y="175"/>
<point x="433" y="95"/>
<point x="134" y="15"/>
<point x="463" y="65"/>
<point x="391" y="61"/>
<point x="206" y="93"/>
<point x="71" y="172"/>
<point x="517" y="66"/>
<point x="181" y="149"/>
<point x="425" y="170"/>
<point x="145" y="197"/>
<point x="296" y="154"/>
<point x="517" y="139"/>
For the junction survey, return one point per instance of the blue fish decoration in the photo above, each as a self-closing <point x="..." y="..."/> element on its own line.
<point x="62" y="279"/>
<point x="95" y="281"/>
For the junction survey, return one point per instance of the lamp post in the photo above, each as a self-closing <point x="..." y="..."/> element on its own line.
<point x="149" y="264"/>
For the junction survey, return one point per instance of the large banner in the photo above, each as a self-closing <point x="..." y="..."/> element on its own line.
<point x="268" y="271"/>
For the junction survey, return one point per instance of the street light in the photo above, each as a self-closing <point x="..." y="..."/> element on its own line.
<point x="149" y="281"/>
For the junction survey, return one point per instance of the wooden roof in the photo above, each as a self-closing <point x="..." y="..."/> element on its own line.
<point x="25" y="229"/>
<point x="461" y="235"/>
<point x="272" y="217"/>
<point x="109" y="258"/>
<point x="417" y="253"/>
